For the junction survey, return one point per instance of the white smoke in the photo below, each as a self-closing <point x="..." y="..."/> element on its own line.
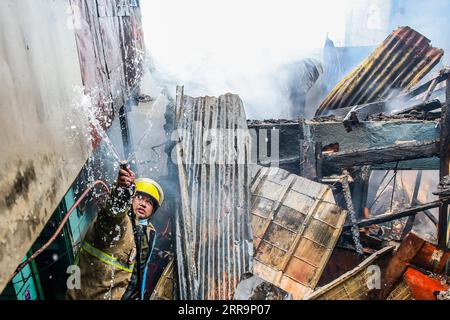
<point x="214" y="47"/>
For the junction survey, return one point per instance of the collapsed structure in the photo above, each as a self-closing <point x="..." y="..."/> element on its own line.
<point x="269" y="209"/>
<point x="314" y="236"/>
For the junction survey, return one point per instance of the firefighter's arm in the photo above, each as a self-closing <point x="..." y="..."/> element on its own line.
<point x="119" y="201"/>
<point x="115" y="208"/>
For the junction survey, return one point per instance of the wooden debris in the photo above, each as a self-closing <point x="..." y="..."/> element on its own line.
<point x="401" y="260"/>
<point x="255" y="288"/>
<point x="351" y="212"/>
<point x="380" y="155"/>
<point x="353" y="285"/>
<point x="401" y="292"/>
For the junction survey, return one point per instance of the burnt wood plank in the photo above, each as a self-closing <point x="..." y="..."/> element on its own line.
<point x="380" y="155"/>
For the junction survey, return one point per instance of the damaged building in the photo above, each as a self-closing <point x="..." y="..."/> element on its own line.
<point x="323" y="224"/>
<point x="383" y="122"/>
<point x="350" y="203"/>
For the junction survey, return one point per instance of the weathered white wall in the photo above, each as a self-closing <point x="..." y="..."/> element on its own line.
<point x="39" y="68"/>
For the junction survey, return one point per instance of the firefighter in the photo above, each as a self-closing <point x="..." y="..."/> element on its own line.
<point x="115" y="253"/>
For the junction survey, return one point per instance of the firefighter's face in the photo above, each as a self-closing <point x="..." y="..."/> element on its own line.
<point x="142" y="206"/>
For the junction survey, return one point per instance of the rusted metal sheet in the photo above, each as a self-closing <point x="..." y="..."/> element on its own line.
<point x="399" y="63"/>
<point x="296" y="224"/>
<point x="111" y="52"/>
<point x="214" y="243"/>
<point x="353" y="285"/>
<point x="165" y="286"/>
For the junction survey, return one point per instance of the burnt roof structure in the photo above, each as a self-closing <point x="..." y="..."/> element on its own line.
<point x="399" y="63"/>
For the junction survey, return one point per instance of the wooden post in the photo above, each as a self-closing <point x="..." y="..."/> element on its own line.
<point x="410" y="223"/>
<point x="444" y="166"/>
<point x="318" y="160"/>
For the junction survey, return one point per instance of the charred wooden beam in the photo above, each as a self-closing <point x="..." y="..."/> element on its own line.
<point x="360" y="113"/>
<point x="308" y="154"/>
<point x="380" y="155"/>
<point x="444" y="74"/>
<point x="426" y="106"/>
<point x="343" y="112"/>
<point x="410" y="223"/>
<point x="444" y="166"/>
<point x="360" y="189"/>
<point x="276" y="143"/>
<point x="382" y="218"/>
<point x="397" y="266"/>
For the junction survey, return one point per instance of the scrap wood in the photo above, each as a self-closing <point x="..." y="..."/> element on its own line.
<point x="443" y="75"/>
<point x="351" y="212"/>
<point x="401" y="260"/>
<point x="353" y="284"/>
<point x="379" y="155"/>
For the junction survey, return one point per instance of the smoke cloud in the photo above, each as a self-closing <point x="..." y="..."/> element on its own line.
<point x="214" y="47"/>
<point x="243" y="47"/>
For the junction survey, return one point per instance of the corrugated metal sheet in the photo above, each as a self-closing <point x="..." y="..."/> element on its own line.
<point x="214" y="243"/>
<point x="296" y="224"/>
<point x="400" y="62"/>
<point x="111" y="51"/>
<point x="352" y="285"/>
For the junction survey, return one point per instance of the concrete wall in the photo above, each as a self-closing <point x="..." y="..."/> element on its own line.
<point x="52" y="53"/>
<point x="38" y="70"/>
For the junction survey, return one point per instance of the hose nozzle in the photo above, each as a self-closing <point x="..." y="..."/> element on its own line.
<point x="124" y="165"/>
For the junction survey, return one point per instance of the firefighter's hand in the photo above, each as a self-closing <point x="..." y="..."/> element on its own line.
<point x="126" y="177"/>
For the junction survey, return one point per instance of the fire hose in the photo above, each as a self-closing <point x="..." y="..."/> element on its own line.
<point x="61" y="225"/>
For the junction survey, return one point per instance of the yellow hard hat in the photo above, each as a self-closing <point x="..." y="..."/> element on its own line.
<point x="150" y="187"/>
